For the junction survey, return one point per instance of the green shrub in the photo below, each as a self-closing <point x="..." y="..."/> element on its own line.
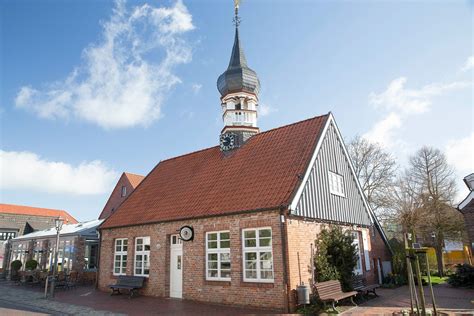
<point x="31" y="264"/>
<point x="464" y="276"/>
<point x="16" y="265"/>
<point x="394" y="280"/>
<point x="336" y="256"/>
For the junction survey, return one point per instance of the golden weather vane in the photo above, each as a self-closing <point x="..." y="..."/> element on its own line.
<point x="236" y="10"/>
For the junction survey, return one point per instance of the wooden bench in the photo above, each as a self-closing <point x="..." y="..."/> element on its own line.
<point x="359" y="285"/>
<point x="130" y="283"/>
<point x="331" y="291"/>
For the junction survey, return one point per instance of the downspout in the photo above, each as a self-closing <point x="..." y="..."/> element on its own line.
<point x="284" y="243"/>
<point x="98" y="260"/>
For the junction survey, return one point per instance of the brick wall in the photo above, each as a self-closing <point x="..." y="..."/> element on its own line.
<point x="301" y="234"/>
<point x="116" y="197"/>
<point x="468" y="214"/>
<point x="381" y="252"/>
<point x="195" y="287"/>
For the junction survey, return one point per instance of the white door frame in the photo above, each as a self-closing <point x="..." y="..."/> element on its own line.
<point x="176" y="267"/>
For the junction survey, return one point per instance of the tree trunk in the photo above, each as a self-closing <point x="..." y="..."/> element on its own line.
<point x="439" y="259"/>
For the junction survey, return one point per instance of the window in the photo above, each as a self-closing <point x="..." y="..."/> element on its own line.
<point x="7" y="235"/>
<point x="124" y="190"/>
<point x="258" y="258"/>
<point x="142" y="256"/>
<point x="358" y="267"/>
<point x="336" y="184"/>
<point x="120" y="257"/>
<point x="218" y="256"/>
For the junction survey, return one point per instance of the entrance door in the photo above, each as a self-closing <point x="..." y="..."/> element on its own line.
<point x="176" y="267"/>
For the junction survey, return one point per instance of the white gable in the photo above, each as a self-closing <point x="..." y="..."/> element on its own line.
<point x="330" y="167"/>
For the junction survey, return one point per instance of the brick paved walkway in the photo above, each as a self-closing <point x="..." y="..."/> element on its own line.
<point x="453" y="301"/>
<point x="88" y="301"/>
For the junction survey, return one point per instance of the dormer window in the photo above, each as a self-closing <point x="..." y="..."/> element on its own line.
<point x="336" y="184"/>
<point x="124" y="191"/>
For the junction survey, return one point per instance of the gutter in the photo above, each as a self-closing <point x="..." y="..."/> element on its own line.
<point x="285" y="255"/>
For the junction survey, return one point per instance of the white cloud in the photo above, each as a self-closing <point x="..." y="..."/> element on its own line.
<point x="382" y="132"/>
<point x="411" y="101"/>
<point x="265" y="109"/>
<point x="28" y="171"/>
<point x="196" y="87"/>
<point x="469" y="64"/>
<point x="402" y="103"/>
<point x="115" y="86"/>
<point x="460" y="154"/>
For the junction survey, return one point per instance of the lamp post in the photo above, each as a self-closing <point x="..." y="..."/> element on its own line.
<point x="58" y="224"/>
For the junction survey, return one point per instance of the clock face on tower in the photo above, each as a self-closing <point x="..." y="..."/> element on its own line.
<point x="227" y="141"/>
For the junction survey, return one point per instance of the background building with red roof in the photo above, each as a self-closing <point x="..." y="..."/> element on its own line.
<point x="124" y="187"/>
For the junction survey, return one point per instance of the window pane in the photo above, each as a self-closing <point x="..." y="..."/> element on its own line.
<point x="265" y="242"/>
<point x="266" y="274"/>
<point x="212" y="273"/>
<point x="139" y="241"/>
<point x="249" y="234"/>
<point x="265" y="233"/>
<point x="225" y="236"/>
<point x="225" y="265"/>
<point x="250" y="256"/>
<point x="225" y="273"/>
<point x="212" y="257"/>
<point x="147" y="247"/>
<point x="251" y="274"/>
<point x="212" y="236"/>
<point x="212" y="265"/>
<point x="250" y="265"/>
<point x="250" y="243"/>
<point x="225" y="244"/>
<point x="225" y="256"/>
<point x="125" y="242"/>
<point x="138" y="271"/>
<point x="212" y="245"/>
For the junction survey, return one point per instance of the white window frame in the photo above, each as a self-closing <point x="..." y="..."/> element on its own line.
<point x="144" y="253"/>
<point x="356" y="242"/>
<point x="217" y="251"/>
<point x="121" y="253"/>
<point x="336" y="184"/>
<point x="258" y="250"/>
<point x="123" y="191"/>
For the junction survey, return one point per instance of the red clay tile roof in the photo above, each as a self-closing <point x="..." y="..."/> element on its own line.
<point x="134" y="179"/>
<point x="36" y="211"/>
<point x="262" y="174"/>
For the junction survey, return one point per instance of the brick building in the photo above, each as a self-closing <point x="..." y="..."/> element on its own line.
<point x="124" y="187"/>
<point x="466" y="207"/>
<point x="78" y="247"/>
<point x="235" y="223"/>
<point x="18" y="220"/>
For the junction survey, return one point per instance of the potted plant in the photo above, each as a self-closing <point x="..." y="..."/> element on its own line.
<point x="15" y="267"/>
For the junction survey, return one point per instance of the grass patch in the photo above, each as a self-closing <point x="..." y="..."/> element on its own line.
<point x="435" y="280"/>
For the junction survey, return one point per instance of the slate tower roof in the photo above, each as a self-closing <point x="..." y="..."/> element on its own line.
<point x="238" y="76"/>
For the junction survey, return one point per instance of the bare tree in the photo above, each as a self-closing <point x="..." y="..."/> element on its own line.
<point x="376" y="170"/>
<point x="430" y="182"/>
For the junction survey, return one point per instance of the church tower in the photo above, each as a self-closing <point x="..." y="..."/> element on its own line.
<point x="239" y="87"/>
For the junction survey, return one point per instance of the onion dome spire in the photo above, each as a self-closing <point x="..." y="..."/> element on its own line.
<point x="238" y="76"/>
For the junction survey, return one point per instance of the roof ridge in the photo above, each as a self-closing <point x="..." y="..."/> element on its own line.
<point x="37" y="207"/>
<point x="264" y="132"/>
<point x="294" y="123"/>
<point x="190" y="153"/>
<point x="133" y="174"/>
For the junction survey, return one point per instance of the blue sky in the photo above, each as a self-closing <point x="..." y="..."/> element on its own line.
<point x="93" y="88"/>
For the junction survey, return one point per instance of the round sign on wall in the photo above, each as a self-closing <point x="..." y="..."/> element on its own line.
<point x="186" y="233"/>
